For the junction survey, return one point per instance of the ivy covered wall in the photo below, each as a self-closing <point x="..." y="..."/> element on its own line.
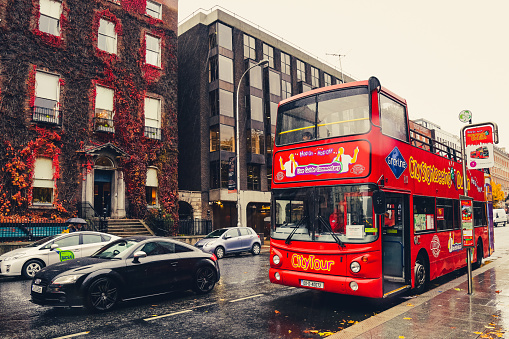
<point x="74" y="56"/>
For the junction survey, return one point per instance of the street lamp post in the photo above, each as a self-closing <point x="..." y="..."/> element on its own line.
<point x="237" y="139"/>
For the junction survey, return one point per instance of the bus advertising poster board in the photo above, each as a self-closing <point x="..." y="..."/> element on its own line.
<point x="333" y="161"/>
<point x="489" y="210"/>
<point x="479" y="147"/>
<point x="467" y="224"/>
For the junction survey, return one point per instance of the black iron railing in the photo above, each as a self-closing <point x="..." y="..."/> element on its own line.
<point x="46" y="115"/>
<point x="95" y="221"/>
<point x="194" y="227"/>
<point x="153" y="132"/>
<point x="104" y="125"/>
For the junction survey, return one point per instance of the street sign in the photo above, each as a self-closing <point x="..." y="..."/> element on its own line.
<point x="465" y="116"/>
<point x="479" y="146"/>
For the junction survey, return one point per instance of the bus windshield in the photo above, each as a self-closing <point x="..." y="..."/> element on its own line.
<point x="326" y="115"/>
<point x="324" y="214"/>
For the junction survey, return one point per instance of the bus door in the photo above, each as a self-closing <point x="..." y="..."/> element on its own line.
<point x="395" y="246"/>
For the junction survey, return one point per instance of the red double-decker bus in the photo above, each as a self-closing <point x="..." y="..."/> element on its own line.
<point x="356" y="207"/>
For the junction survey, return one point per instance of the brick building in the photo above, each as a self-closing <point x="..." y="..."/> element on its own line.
<point x="88" y="93"/>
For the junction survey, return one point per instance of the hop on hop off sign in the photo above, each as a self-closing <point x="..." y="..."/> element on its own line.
<point x="479" y="147"/>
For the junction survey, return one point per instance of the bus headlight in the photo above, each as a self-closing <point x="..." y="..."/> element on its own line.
<point x="277" y="276"/>
<point x="276" y="260"/>
<point x="354" y="286"/>
<point x="355" y="267"/>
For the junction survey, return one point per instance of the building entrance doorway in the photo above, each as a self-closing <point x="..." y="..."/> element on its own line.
<point x="102" y="192"/>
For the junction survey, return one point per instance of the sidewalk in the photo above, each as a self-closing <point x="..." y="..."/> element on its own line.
<point x="447" y="311"/>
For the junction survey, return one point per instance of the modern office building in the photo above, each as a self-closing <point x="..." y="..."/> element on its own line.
<point x="88" y="100"/>
<point x="215" y="49"/>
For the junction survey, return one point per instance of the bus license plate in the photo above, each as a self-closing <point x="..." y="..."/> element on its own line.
<point x="309" y="283"/>
<point x="37" y="289"/>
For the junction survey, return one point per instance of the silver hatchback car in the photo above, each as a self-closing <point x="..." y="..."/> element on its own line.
<point x="230" y="240"/>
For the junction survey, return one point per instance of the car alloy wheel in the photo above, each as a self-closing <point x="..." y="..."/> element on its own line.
<point x="219" y="252"/>
<point x="205" y="279"/>
<point x="256" y="249"/>
<point x="102" y="295"/>
<point x="31" y="267"/>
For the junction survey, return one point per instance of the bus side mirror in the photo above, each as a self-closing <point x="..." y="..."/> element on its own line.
<point x="379" y="202"/>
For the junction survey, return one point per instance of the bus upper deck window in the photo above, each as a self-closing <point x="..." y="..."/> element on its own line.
<point x="393" y="116"/>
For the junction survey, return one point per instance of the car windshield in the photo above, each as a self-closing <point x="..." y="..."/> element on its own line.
<point x="216" y="233"/>
<point x="114" y="250"/>
<point x="42" y="241"/>
<point x="342" y="214"/>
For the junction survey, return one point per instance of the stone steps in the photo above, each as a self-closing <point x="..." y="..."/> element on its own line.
<point x="127" y="227"/>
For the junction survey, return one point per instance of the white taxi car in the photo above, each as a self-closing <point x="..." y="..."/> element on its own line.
<point x="27" y="261"/>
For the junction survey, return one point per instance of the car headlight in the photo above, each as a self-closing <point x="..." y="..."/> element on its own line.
<point x="209" y="244"/>
<point x="17" y="256"/>
<point x="355" y="267"/>
<point x="67" y="279"/>
<point x="276" y="260"/>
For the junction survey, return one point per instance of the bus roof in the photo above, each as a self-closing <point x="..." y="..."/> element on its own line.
<point x="335" y="87"/>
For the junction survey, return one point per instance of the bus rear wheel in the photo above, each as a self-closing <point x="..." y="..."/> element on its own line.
<point x="480" y="255"/>
<point x="421" y="275"/>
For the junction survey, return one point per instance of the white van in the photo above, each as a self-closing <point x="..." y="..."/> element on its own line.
<point x="499" y="217"/>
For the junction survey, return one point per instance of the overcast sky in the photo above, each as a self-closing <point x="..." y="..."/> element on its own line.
<point x="441" y="56"/>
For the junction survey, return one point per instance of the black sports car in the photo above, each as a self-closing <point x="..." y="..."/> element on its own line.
<point x="124" y="269"/>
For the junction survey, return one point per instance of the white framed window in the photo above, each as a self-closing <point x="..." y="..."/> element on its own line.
<point x="249" y="47"/>
<point x="43" y="183"/>
<point x="107" y="37"/>
<point x="225" y="103"/>
<point x="255" y="77"/>
<point x="268" y="54"/>
<point x="315" y="77"/>
<point x="327" y="79"/>
<point x="47" y="93"/>
<point x="275" y="83"/>
<point x="152" y="118"/>
<point x="104" y="108"/>
<point x="49" y="20"/>
<point x="153" y="50"/>
<point x="301" y="71"/>
<point x="225" y="70"/>
<point x="154" y="9"/>
<point x="285" y="63"/>
<point x="151" y="187"/>
<point x="286" y="89"/>
<point x="256" y="108"/>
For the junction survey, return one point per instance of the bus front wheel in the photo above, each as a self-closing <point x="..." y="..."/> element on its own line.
<point x="421" y="275"/>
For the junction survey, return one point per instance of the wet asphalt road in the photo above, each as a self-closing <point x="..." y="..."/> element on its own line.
<point x="243" y="305"/>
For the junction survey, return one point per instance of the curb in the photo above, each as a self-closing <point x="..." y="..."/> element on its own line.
<point x="370" y="323"/>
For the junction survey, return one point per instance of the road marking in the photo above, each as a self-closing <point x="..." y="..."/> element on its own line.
<point x="166" y="315"/>
<point x="73" y="335"/>
<point x="194" y="308"/>
<point x="253" y="296"/>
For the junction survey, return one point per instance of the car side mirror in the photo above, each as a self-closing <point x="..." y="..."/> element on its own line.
<point x="138" y="255"/>
<point x="226" y="237"/>
<point x="53" y="247"/>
